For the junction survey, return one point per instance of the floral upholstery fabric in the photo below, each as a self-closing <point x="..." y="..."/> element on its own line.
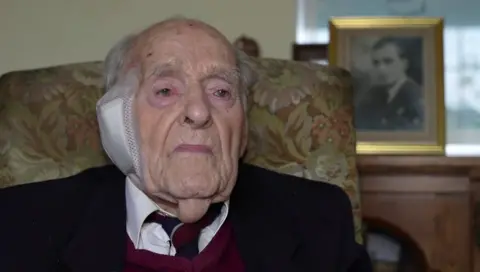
<point x="48" y="126"/>
<point x="300" y="120"/>
<point x="301" y="123"/>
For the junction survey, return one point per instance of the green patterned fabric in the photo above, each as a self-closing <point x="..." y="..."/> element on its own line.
<point x="48" y="126"/>
<point x="300" y="121"/>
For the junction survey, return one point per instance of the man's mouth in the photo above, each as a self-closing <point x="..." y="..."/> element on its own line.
<point x="192" y="148"/>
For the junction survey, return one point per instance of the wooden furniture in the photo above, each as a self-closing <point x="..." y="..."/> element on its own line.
<point x="430" y="198"/>
<point x="310" y="52"/>
<point x="248" y="45"/>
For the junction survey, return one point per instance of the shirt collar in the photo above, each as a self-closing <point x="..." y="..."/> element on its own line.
<point x="393" y="91"/>
<point x="140" y="206"/>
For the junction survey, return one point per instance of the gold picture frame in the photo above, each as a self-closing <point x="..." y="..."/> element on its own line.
<point x="415" y="122"/>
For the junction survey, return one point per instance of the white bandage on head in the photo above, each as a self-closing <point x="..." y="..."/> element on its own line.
<point x="117" y="126"/>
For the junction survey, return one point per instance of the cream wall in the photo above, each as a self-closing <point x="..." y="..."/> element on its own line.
<point x="38" y="33"/>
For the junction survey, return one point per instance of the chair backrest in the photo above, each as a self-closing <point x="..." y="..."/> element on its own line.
<point x="300" y="119"/>
<point x="301" y="123"/>
<point x="48" y="126"/>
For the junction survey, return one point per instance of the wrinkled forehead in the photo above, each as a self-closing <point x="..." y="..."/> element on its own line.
<point x="192" y="49"/>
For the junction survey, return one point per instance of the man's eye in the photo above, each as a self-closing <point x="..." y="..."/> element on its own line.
<point x="222" y="93"/>
<point x="163" y="92"/>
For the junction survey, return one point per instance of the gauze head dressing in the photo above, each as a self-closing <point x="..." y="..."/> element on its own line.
<point x="117" y="129"/>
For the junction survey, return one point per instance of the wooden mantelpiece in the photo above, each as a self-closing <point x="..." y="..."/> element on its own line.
<point x="428" y="197"/>
<point x="432" y="165"/>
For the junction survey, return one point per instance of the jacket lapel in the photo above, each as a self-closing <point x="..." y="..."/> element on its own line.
<point x="264" y="248"/>
<point x="264" y="235"/>
<point x="99" y="243"/>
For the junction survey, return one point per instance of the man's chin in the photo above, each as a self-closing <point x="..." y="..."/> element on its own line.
<point x="189" y="183"/>
<point x="192" y="210"/>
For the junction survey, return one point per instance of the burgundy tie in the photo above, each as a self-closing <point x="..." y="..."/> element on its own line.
<point x="184" y="237"/>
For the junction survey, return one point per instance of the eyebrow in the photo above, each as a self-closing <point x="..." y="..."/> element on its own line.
<point x="168" y="69"/>
<point x="230" y="75"/>
<point x="172" y="69"/>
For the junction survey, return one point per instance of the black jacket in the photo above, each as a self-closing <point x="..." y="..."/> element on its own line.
<point x="281" y="223"/>
<point x="404" y="112"/>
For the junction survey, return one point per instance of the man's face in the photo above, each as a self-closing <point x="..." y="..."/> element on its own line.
<point x="190" y="118"/>
<point x="388" y="65"/>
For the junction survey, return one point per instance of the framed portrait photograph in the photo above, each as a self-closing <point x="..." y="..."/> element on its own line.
<point x="317" y="53"/>
<point x="397" y="69"/>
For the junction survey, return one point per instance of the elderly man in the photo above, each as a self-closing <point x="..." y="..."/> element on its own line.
<point x="173" y="123"/>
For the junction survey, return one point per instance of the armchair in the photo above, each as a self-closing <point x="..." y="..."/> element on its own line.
<point x="300" y="118"/>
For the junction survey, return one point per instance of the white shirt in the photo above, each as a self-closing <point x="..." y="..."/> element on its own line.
<point x="151" y="236"/>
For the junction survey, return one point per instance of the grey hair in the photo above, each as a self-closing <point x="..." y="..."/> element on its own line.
<point x="248" y="76"/>
<point x="115" y="60"/>
<point x="117" y="57"/>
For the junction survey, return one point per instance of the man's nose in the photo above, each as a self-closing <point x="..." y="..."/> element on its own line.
<point x="197" y="111"/>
